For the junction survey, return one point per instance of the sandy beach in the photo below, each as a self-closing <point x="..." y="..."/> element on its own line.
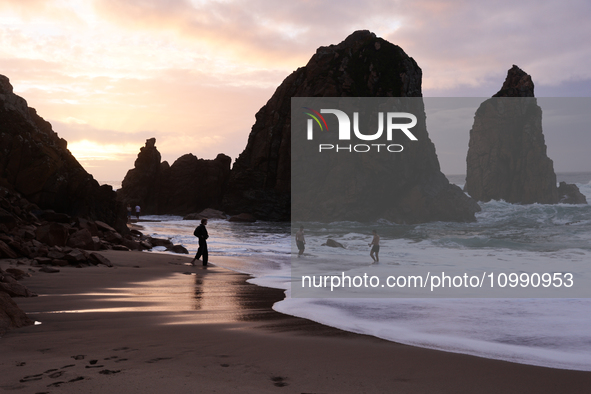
<point x="154" y="324"/>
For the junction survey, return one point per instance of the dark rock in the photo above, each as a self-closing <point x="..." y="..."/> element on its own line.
<point x="43" y="260"/>
<point x="49" y="270"/>
<point x="54" y="254"/>
<point x="145" y="245"/>
<point x="333" y="244"/>
<point x="89" y="225"/>
<point x="76" y="256"/>
<point x="52" y="234"/>
<point x="361" y="66"/>
<point x="121" y="248"/>
<point x="98" y="258"/>
<point x="132" y="245"/>
<point x="177" y="249"/>
<point x="51" y="216"/>
<point x="7" y="219"/>
<point x="208" y="213"/>
<point x="243" y="217"/>
<point x="507" y="157"/>
<point x="15" y="289"/>
<point x="17" y="274"/>
<point x="104" y="226"/>
<point x="113" y="237"/>
<point x="6" y="251"/>
<point x="81" y="239"/>
<point x="570" y="194"/>
<point x="159" y="242"/>
<point x="60" y="263"/>
<point x="11" y="316"/>
<point x="37" y="164"/>
<point x="189" y="185"/>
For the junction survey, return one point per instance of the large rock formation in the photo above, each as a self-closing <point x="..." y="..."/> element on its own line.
<point x="507" y="157"/>
<point x="189" y="185"/>
<point x="11" y="316"/>
<point x="412" y="185"/>
<point x="35" y="162"/>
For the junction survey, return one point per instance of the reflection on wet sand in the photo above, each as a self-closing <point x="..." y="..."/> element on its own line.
<point x="203" y="295"/>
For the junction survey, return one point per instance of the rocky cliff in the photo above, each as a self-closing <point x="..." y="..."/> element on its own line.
<point x="189" y="185"/>
<point x="361" y="66"/>
<point x="36" y="163"/>
<point x="507" y="157"/>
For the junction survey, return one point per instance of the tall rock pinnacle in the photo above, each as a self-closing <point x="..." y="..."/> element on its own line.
<point x="507" y="157"/>
<point x="363" y="65"/>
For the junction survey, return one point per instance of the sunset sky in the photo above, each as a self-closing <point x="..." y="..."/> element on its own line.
<point x="108" y="74"/>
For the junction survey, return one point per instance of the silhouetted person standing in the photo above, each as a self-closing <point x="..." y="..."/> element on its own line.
<point x="301" y="241"/>
<point x="201" y="233"/>
<point x="375" y="247"/>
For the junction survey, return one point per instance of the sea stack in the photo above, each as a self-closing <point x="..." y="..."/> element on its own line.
<point x="507" y="157"/>
<point x="363" y="65"/>
<point x="189" y="185"/>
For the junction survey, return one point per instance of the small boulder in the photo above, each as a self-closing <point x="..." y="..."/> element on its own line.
<point x="98" y="258"/>
<point x="104" y="226"/>
<point x="177" y="249"/>
<point x="81" y="239"/>
<point x="570" y="194"/>
<point x="333" y="244"/>
<point x="11" y="316"/>
<point x="52" y="234"/>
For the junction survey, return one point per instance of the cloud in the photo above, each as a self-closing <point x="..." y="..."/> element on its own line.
<point x="193" y="73"/>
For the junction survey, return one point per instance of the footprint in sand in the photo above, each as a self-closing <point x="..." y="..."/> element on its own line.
<point x="109" y="372"/>
<point x="279" y="381"/>
<point x="155" y="360"/>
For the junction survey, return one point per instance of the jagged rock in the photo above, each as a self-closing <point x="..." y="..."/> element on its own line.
<point x="570" y="194"/>
<point x="98" y="258"/>
<point x="159" y="242"/>
<point x="507" y="157"/>
<point x="361" y="66"/>
<point x="52" y="234"/>
<point x="15" y="289"/>
<point x="132" y="245"/>
<point x="76" y="256"/>
<point x="6" y="251"/>
<point x="137" y="187"/>
<point x="43" y="260"/>
<point x="113" y="237"/>
<point x="333" y="244"/>
<point x="11" y="316"/>
<point x="37" y="164"/>
<point x="49" y="270"/>
<point x="104" y="226"/>
<point x="81" y="239"/>
<point x="243" y="217"/>
<point x="17" y="274"/>
<point x="60" y="263"/>
<point x="177" y="249"/>
<point x="189" y="185"/>
<point x="54" y="254"/>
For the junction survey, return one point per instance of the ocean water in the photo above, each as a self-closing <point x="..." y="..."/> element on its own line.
<point x="537" y="331"/>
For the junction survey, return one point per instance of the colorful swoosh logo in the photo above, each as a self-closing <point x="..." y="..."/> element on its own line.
<point x="315" y="116"/>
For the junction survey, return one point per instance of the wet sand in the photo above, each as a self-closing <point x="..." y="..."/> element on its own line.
<point x="153" y="324"/>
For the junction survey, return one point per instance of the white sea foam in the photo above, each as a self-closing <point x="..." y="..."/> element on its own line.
<point x="548" y="332"/>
